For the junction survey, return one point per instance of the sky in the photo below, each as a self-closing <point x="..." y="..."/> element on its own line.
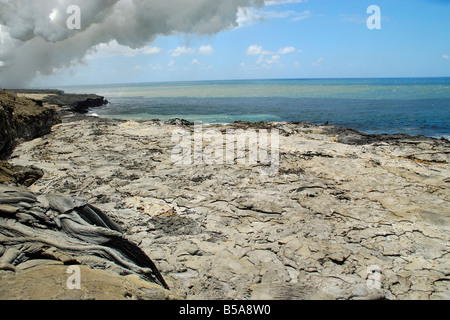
<point x="238" y="39"/>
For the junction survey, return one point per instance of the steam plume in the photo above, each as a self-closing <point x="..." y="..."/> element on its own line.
<point x="34" y="38"/>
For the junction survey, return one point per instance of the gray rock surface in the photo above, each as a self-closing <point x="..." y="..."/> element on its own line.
<point x="344" y="217"/>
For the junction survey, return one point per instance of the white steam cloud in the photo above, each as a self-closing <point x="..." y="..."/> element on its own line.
<point x="35" y="39"/>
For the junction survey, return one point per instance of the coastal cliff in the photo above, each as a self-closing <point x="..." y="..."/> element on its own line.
<point x="79" y="103"/>
<point x="22" y="119"/>
<point x="28" y="114"/>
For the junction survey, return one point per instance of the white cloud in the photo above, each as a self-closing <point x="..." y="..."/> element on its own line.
<point x="297" y="16"/>
<point x="171" y="63"/>
<point x="286" y="50"/>
<point x="151" y="50"/>
<point x="206" y="50"/>
<point x="272" y="60"/>
<point x="260" y="60"/>
<point x="203" y="50"/>
<point x="255" y="50"/>
<point x="111" y="49"/>
<point x="317" y="62"/>
<point x="287" y="14"/>
<point x="279" y="2"/>
<point x="182" y="51"/>
<point x="249" y="16"/>
<point x="275" y="57"/>
<point x="195" y="62"/>
<point x="446" y="56"/>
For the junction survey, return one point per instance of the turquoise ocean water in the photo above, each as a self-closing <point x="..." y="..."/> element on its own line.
<point x="415" y="106"/>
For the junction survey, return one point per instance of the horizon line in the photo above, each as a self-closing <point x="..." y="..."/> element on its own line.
<point x="226" y="80"/>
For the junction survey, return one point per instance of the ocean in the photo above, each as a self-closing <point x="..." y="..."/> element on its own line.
<point x="414" y="106"/>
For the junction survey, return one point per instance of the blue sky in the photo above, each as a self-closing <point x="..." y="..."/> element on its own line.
<point x="285" y="39"/>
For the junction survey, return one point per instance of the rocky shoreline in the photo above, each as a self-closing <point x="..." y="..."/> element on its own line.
<point x="28" y="114"/>
<point x="346" y="216"/>
<point x="78" y="103"/>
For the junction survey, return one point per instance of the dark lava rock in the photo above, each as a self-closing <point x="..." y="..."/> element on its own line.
<point x="354" y="137"/>
<point x="179" y="122"/>
<point x="80" y="103"/>
<point x="66" y="229"/>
